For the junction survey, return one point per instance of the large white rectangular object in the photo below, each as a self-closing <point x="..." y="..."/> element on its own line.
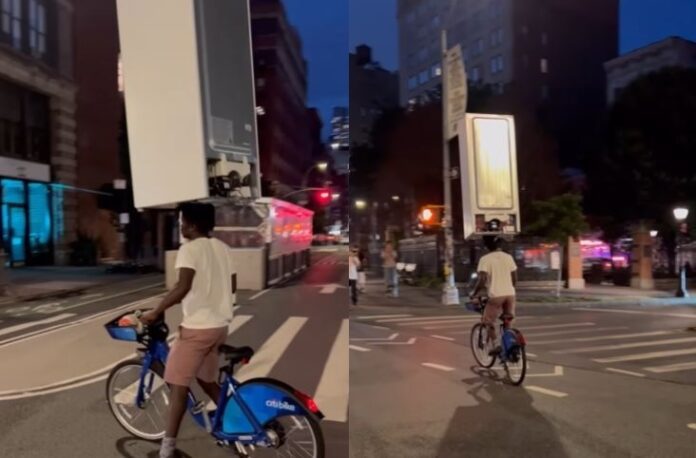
<point x="488" y="158"/>
<point x="189" y="91"/>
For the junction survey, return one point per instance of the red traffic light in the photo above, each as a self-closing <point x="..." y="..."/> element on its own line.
<point x="323" y="196"/>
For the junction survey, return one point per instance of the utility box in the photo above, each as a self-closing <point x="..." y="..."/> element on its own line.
<point x="488" y="161"/>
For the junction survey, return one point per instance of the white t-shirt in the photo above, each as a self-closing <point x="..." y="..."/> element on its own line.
<point x="210" y="301"/>
<point x="499" y="266"/>
<point x="353" y="264"/>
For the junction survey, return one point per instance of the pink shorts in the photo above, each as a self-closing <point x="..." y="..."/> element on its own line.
<point x="195" y="354"/>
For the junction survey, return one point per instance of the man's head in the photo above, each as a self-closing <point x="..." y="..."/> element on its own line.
<point x="196" y="219"/>
<point x="492" y="242"/>
<point x="354" y="250"/>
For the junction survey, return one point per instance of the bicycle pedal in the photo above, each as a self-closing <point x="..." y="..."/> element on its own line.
<point x="198" y="408"/>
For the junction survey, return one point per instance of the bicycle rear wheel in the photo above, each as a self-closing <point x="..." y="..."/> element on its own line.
<point x="299" y="436"/>
<point x="481" y="345"/>
<point x="147" y="421"/>
<point x="516" y="365"/>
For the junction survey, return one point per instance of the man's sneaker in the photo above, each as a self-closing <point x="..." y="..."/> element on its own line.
<point x="168" y="448"/>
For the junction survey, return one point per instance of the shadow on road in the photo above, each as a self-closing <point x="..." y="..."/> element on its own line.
<point x="132" y="447"/>
<point x="503" y="423"/>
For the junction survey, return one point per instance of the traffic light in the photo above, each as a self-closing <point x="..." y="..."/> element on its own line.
<point x="431" y="216"/>
<point x="323" y="197"/>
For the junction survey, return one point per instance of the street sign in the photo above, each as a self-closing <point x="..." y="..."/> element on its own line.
<point x="488" y="159"/>
<point x="456" y="86"/>
<point x="189" y="91"/>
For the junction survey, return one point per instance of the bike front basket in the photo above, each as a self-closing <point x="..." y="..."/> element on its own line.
<point x="127" y="333"/>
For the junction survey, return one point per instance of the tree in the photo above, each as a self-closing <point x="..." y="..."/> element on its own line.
<point x="648" y="163"/>
<point x="558" y="218"/>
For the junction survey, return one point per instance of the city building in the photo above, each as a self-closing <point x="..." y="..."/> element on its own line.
<point x="670" y="52"/>
<point x="373" y="91"/>
<point x="38" y="153"/>
<point x="340" y="139"/>
<point x="99" y="114"/>
<point x="285" y="138"/>
<point x="540" y="60"/>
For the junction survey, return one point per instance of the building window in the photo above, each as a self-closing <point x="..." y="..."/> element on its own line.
<point x="497" y="38"/>
<point x="423" y="77"/>
<point x="479" y="46"/>
<point x="436" y="70"/>
<point x="412" y="82"/>
<point x="422" y="54"/>
<point x="436" y="22"/>
<point x="410" y="18"/>
<point x="475" y="75"/>
<point x="544" y="65"/>
<point x="497" y="64"/>
<point x="12" y="21"/>
<point x="37" y="27"/>
<point x="544" y="39"/>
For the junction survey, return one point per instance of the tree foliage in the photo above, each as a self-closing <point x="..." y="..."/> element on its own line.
<point x="558" y="218"/>
<point x="648" y="163"/>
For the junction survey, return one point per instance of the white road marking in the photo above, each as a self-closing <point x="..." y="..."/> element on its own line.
<point x="332" y="391"/>
<point x="31" y="324"/>
<point x="435" y="336"/>
<point x="641" y="356"/>
<point x="560" y="326"/>
<point x="423" y="318"/>
<point x="92" y="296"/>
<point x="679" y="367"/>
<point x="374" y="317"/>
<point x="378" y="327"/>
<point x="328" y="289"/>
<point x="651" y="343"/>
<point x="691" y="426"/>
<point x="637" y="312"/>
<point x="439" y="367"/>
<point x="452" y="321"/>
<point x="625" y="372"/>
<point x="113" y="296"/>
<point x="609" y="337"/>
<point x="369" y="339"/>
<point x="538" y="389"/>
<point x="452" y="326"/>
<point x="273" y="349"/>
<point x="410" y="341"/>
<point x="356" y="348"/>
<point x="237" y="322"/>
<point x="572" y="331"/>
<point x="557" y="372"/>
<point x="259" y="294"/>
<point x="59" y="327"/>
<point x="533" y="355"/>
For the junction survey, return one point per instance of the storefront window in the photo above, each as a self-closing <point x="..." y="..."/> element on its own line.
<point x="39" y="222"/>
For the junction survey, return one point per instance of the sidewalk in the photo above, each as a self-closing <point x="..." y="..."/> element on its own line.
<point x="375" y="295"/>
<point x="29" y="283"/>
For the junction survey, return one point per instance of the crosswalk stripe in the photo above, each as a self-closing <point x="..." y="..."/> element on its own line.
<point x="636" y="312"/>
<point x="609" y="337"/>
<point x="357" y="348"/>
<point x="449" y="339"/>
<point x="273" y="349"/>
<point x="374" y="317"/>
<point x="559" y="326"/>
<point x="421" y="318"/>
<point x="450" y="321"/>
<point x="237" y="322"/>
<point x="689" y="366"/>
<point x="450" y="326"/>
<point x="439" y="367"/>
<point x="571" y="331"/>
<point x="538" y="389"/>
<point x="332" y="392"/>
<point x="624" y="372"/>
<point x="651" y="343"/>
<point x="651" y="355"/>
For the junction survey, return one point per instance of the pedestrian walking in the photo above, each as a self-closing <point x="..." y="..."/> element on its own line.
<point x="389" y="257"/>
<point x="353" y="266"/>
<point x="362" y="276"/>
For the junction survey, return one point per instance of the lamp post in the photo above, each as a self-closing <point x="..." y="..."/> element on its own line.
<point x="321" y="166"/>
<point x="680" y="215"/>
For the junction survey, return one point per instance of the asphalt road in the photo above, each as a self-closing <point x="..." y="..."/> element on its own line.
<point x="603" y="382"/>
<point x="55" y="360"/>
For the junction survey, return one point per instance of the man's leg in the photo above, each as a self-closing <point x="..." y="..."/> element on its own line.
<point x="490" y="318"/>
<point x="210" y="367"/>
<point x="178" y="397"/>
<point x="212" y="389"/>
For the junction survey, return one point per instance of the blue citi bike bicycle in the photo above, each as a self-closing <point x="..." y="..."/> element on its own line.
<point x="513" y="355"/>
<point x="260" y="417"/>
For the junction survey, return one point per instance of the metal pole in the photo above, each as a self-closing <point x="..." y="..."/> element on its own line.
<point x="450" y="293"/>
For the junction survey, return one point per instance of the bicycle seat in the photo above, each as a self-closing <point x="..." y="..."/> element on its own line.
<point x="236" y="355"/>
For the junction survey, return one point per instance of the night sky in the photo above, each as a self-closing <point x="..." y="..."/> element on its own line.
<point x="642" y="22"/>
<point x="323" y="25"/>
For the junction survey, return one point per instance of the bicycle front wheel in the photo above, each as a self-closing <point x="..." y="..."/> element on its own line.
<point x="516" y="365"/>
<point x="481" y="345"/>
<point x="148" y="420"/>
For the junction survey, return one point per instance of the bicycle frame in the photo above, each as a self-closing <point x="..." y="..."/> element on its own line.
<point x="229" y="393"/>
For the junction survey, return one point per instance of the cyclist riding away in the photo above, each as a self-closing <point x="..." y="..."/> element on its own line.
<point x="497" y="272"/>
<point x="206" y="288"/>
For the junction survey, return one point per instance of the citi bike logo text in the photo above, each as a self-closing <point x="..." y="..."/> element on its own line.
<point x="280" y="405"/>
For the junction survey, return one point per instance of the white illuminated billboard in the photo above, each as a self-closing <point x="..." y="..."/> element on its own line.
<point x="488" y="160"/>
<point x="189" y="92"/>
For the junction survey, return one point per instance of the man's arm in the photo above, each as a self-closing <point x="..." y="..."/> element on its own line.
<point x="481" y="282"/>
<point x="514" y="278"/>
<point x="176" y="295"/>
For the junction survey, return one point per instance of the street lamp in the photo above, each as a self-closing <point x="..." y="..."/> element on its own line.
<point x="360" y="204"/>
<point x="335" y="196"/>
<point x="653" y="233"/>
<point x="680" y="215"/>
<point x="396" y="198"/>
<point x="321" y="166"/>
